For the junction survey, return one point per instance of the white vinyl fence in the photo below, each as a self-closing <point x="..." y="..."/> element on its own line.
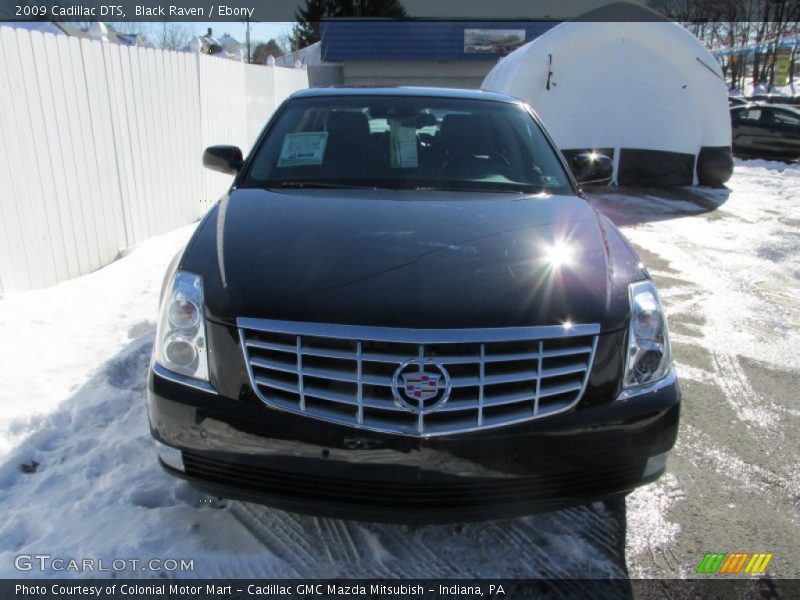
<point x="101" y="145"/>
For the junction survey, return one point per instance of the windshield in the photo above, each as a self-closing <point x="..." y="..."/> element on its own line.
<point x="406" y="142"/>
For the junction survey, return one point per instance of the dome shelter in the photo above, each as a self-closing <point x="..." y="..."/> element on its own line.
<point x="625" y="81"/>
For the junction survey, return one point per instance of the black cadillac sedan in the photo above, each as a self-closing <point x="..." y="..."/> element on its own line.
<point x="405" y="310"/>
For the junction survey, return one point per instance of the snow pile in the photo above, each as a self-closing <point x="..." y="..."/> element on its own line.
<point x="60" y="334"/>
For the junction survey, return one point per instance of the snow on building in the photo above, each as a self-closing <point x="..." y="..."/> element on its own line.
<point x="103" y="32"/>
<point x="224" y="47"/>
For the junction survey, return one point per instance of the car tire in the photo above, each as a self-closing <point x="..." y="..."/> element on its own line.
<point x="714" y="165"/>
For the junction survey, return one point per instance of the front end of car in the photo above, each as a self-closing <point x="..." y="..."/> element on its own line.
<point x="419" y="425"/>
<point x="405" y="310"/>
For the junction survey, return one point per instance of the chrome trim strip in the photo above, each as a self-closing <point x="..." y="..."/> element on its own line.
<point x="538" y="393"/>
<point x="366" y="333"/>
<point x="481" y="384"/>
<point x="359" y="381"/>
<point x="420" y="416"/>
<point x="197" y="384"/>
<point x="300" y="385"/>
<point x="633" y="392"/>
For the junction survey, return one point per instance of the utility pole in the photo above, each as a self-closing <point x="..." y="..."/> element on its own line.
<point x="247" y="39"/>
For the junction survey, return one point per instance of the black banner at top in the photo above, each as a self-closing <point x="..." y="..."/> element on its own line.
<point x="286" y="10"/>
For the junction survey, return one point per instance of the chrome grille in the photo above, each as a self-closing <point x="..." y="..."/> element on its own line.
<point x="344" y="373"/>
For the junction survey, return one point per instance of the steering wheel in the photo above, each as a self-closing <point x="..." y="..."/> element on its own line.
<point x="476" y="155"/>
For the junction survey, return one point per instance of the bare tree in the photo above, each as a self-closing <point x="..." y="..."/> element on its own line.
<point x="747" y="28"/>
<point x="288" y="42"/>
<point x="263" y="50"/>
<point x="171" y="35"/>
<point x="132" y="27"/>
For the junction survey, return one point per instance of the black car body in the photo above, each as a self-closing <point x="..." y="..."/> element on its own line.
<point x="776" y="99"/>
<point x="405" y="310"/>
<point x="766" y="130"/>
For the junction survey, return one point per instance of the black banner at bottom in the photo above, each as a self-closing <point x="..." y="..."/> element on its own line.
<point x="420" y="589"/>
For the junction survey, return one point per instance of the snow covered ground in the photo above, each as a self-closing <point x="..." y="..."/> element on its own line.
<point x="72" y="411"/>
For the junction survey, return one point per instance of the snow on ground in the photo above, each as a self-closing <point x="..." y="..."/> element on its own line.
<point x="61" y="334"/>
<point x="727" y="263"/>
<point x="74" y="398"/>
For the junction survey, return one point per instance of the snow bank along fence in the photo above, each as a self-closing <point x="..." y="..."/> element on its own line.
<point x="101" y="146"/>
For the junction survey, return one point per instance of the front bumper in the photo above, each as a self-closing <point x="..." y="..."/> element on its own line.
<point x="248" y="451"/>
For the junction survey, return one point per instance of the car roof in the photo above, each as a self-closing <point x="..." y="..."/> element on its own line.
<point x="429" y="92"/>
<point x="761" y="104"/>
<point x="751" y="104"/>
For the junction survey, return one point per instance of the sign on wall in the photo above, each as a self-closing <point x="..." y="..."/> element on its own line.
<point x="782" y="68"/>
<point x="492" y="41"/>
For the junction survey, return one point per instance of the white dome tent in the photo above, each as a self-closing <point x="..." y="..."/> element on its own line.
<point x="625" y="81"/>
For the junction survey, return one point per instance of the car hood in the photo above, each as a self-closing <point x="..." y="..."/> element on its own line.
<point x="421" y="259"/>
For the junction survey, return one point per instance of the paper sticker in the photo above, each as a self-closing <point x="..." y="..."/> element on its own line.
<point x="403" y="145"/>
<point x="306" y="148"/>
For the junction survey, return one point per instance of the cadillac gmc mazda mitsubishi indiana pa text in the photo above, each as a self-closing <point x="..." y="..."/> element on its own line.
<point x="404" y="309"/>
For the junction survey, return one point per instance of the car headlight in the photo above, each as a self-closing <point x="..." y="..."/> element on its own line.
<point x="648" y="358"/>
<point x="181" y="337"/>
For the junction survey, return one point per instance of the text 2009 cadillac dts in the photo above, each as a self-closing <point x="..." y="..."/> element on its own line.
<point x="405" y="310"/>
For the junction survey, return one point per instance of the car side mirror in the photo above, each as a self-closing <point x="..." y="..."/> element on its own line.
<point x="225" y="159"/>
<point x="591" y="167"/>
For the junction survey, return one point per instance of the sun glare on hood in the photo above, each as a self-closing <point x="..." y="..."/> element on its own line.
<point x="560" y="254"/>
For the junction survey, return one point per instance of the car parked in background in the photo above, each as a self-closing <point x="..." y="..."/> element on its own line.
<point x="766" y="131"/>
<point x="405" y="309"/>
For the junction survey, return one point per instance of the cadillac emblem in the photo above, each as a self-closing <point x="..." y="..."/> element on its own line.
<point x="421" y="387"/>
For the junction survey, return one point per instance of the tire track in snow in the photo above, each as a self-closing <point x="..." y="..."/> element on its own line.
<point x="733" y="382"/>
<point x="732" y="466"/>
<point x="349" y="546"/>
<point x="575" y="542"/>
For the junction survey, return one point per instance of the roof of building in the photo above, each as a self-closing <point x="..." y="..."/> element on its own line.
<point x="411" y="40"/>
<point x="309" y="56"/>
<point x="105" y="32"/>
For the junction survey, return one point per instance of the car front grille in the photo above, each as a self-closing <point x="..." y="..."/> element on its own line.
<point x="354" y="375"/>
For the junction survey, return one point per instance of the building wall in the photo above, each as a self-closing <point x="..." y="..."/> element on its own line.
<point x="421" y="73"/>
<point x="326" y="75"/>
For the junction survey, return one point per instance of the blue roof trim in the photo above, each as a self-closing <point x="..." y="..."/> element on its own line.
<point x="412" y="40"/>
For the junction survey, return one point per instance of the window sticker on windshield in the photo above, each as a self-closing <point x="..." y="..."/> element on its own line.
<point x="306" y="148"/>
<point x="550" y="180"/>
<point x="403" y="146"/>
